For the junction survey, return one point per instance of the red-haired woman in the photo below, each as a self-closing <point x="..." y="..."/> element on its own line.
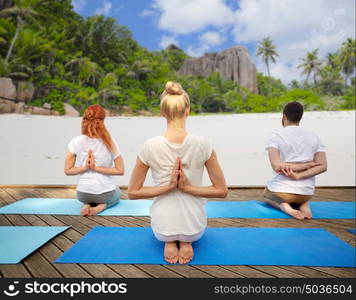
<point x="95" y="157"/>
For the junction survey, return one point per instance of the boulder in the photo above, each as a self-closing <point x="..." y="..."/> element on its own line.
<point x="108" y="113"/>
<point x="7" y="107"/>
<point x="70" y="110"/>
<point x="47" y="105"/>
<point x="25" y="91"/>
<point x="173" y="47"/>
<point x="40" y="111"/>
<point x="233" y="64"/>
<point x="19" y="108"/>
<point x="7" y="88"/>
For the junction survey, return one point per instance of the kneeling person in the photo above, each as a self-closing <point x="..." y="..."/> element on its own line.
<point x="296" y="156"/>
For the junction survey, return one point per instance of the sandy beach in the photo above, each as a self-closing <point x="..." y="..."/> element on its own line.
<point x="33" y="147"/>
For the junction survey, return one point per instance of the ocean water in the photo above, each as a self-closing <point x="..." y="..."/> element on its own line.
<point x="32" y="148"/>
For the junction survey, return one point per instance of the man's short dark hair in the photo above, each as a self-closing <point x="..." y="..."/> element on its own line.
<point x="293" y="111"/>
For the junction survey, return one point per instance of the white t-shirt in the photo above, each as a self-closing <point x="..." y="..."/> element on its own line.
<point x="295" y="144"/>
<point x="177" y="212"/>
<point x="93" y="182"/>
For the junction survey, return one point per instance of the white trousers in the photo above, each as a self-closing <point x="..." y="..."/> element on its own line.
<point x="179" y="237"/>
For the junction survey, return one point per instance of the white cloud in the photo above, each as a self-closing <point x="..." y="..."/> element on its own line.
<point x="147" y="13"/>
<point x="187" y="16"/>
<point x="212" y="38"/>
<point x="78" y="5"/>
<point x="296" y="26"/>
<point x="105" y="9"/>
<point x="206" y="41"/>
<point x="168" y="40"/>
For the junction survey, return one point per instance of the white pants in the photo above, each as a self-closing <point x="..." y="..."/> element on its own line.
<point x="179" y="237"/>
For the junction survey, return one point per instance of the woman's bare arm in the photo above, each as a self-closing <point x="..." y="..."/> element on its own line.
<point x="70" y="169"/>
<point x="118" y="169"/>
<point x="218" y="189"/>
<point x="136" y="190"/>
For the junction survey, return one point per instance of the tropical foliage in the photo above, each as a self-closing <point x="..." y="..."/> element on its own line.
<point x="82" y="61"/>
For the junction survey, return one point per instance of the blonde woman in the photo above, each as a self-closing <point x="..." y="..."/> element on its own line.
<point x="177" y="161"/>
<point x="95" y="157"/>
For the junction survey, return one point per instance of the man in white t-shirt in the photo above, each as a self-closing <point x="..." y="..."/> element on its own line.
<point x="296" y="156"/>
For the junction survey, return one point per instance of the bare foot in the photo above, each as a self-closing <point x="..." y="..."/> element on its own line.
<point x="285" y="207"/>
<point x="305" y="209"/>
<point x="185" y="252"/>
<point x="171" y="252"/>
<point x="85" y="210"/>
<point x="97" y="209"/>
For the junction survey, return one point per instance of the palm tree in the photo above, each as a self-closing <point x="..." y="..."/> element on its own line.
<point x="268" y="52"/>
<point x="139" y="69"/>
<point x="311" y="64"/>
<point x="331" y="60"/>
<point x="331" y="80"/>
<point x="347" y="57"/>
<point x="21" y="11"/>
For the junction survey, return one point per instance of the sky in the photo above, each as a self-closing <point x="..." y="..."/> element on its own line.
<point x="200" y="26"/>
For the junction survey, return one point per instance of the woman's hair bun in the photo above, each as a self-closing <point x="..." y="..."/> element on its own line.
<point x="173" y="88"/>
<point x="90" y="115"/>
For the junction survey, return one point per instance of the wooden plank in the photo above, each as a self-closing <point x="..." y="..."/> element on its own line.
<point x="112" y="221"/>
<point x="218" y="271"/>
<point x="37" y="265"/>
<point x="308" y="272"/>
<point x="51" y="253"/>
<point x="5" y="197"/>
<point x="158" y="271"/>
<point x="71" y="220"/>
<point x="136" y="221"/>
<point x="70" y="233"/>
<point x="247" y="271"/>
<point x="14" y="271"/>
<point x="4" y="221"/>
<point x="337" y="272"/>
<point x="40" y="267"/>
<point x="278" y="271"/>
<point x="17" y="194"/>
<point x="188" y="271"/>
<point x="129" y="271"/>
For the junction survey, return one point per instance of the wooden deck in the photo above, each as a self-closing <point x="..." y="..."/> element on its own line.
<point x="39" y="264"/>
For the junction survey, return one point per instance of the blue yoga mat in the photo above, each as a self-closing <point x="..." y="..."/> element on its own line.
<point x="215" y="209"/>
<point x="352" y="230"/>
<point x="218" y="246"/>
<point x="17" y="242"/>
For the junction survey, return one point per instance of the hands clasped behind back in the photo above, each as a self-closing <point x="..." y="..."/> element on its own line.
<point x="178" y="178"/>
<point x="90" y="162"/>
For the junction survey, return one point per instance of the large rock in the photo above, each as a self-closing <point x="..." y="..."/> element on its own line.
<point x="173" y="47"/>
<point x="19" y="108"/>
<point x="25" y="91"/>
<point x="7" y="88"/>
<point x="7" y="107"/>
<point x="233" y="64"/>
<point x="70" y="110"/>
<point x="40" y="111"/>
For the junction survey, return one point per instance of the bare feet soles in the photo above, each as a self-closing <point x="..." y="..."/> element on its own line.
<point x="305" y="209"/>
<point x="171" y="252"/>
<point x="85" y="210"/>
<point x="285" y="207"/>
<point x="97" y="209"/>
<point x="185" y="252"/>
